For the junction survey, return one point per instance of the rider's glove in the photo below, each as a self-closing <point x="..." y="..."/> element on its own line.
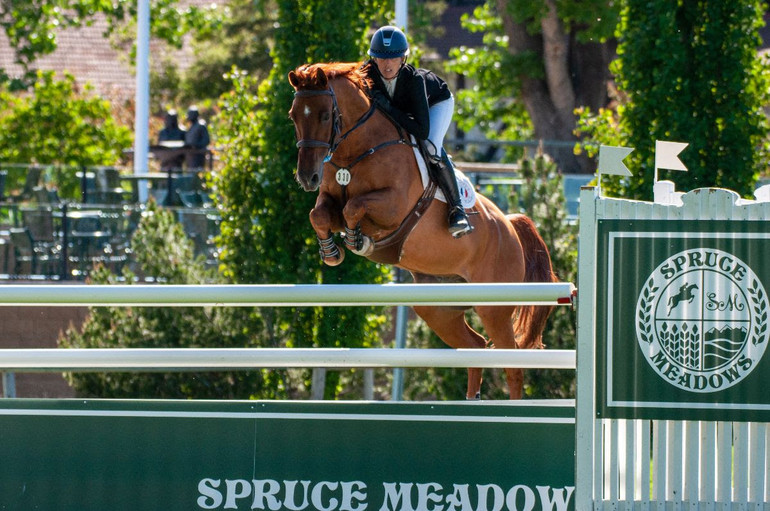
<point x="382" y="102"/>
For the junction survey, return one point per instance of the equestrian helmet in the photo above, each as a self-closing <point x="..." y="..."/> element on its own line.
<point x="388" y="43"/>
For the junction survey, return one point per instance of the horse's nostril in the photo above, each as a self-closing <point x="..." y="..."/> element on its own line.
<point x="314" y="181"/>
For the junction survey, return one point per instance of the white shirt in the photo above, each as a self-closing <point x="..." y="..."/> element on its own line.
<point x="390" y="85"/>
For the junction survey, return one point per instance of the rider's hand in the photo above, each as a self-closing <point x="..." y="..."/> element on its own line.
<point x="382" y="102"/>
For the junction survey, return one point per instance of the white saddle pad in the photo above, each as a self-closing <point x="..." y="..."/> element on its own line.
<point x="467" y="192"/>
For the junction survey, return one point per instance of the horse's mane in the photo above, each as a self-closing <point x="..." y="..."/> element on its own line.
<point x="307" y="75"/>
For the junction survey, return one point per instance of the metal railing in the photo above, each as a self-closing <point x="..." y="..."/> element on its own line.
<point x="56" y="360"/>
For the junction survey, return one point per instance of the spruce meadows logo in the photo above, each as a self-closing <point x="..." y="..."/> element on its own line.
<point x="702" y="321"/>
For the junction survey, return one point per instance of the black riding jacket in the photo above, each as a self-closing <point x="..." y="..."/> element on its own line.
<point x="416" y="91"/>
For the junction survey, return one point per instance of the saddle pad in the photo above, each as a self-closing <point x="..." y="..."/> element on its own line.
<point x="467" y="191"/>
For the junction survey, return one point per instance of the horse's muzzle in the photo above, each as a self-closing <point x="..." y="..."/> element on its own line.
<point x="310" y="180"/>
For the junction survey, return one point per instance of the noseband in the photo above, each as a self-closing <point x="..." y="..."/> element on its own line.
<point x="332" y="144"/>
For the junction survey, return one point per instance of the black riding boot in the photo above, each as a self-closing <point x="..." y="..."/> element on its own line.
<point x="443" y="173"/>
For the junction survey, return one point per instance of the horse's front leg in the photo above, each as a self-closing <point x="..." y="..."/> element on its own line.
<point x="377" y="208"/>
<point x="326" y="219"/>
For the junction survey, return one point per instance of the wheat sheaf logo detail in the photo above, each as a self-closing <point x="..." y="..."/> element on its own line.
<point x="702" y="321"/>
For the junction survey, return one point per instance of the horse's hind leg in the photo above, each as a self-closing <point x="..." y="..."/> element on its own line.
<point x="498" y="324"/>
<point x="450" y="325"/>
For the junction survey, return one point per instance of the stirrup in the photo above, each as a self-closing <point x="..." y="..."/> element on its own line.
<point x="458" y="223"/>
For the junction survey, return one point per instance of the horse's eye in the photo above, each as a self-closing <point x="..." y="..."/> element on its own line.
<point x="325" y="116"/>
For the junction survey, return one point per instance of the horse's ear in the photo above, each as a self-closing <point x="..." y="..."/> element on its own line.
<point x="320" y="78"/>
<point x="293" y="79"/>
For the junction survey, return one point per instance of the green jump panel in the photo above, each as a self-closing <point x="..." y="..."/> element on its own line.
<point x="76" y="455"/>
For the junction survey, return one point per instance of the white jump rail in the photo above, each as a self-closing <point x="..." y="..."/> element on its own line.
<point x="158" y="359"/>
<point x="162" y="359"/>
<point x="291" y="295"/>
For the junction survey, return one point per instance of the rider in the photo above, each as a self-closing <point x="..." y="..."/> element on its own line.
<point x="422" y="103"/>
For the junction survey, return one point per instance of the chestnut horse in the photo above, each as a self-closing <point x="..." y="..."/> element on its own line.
<point x="370" y="189"/>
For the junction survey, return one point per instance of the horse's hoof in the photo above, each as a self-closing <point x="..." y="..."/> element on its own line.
<point x="334" y="261"/>
<point x="367" y="247"/>
<point x="477" y="397"/>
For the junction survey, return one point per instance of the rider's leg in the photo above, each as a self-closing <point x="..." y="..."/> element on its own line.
<point x="443" y="174"/>
<point x="442" y="169"/>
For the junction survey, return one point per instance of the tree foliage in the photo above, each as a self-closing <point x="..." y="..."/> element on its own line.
<point x="691" y="73"/>
<point x="540" y="60"/>
<point x="55" y="123"/>
<point x="31" y="26"/>
<point x="161" y="249"/>
<point x="243" y="39"/>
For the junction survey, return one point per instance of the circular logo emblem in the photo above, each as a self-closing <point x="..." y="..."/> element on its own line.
<point x="467" y="192"/>
<point x="343" y="176"/>
<point x="702" y="320"/>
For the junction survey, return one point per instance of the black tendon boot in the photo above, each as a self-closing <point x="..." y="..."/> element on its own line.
<point x="443" y="173"/>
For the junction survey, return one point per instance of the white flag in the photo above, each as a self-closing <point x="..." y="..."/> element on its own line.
<point x="667" y="155"/>
<point x="611" y="160"/>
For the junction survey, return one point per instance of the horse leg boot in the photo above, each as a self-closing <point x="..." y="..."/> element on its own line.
<point x="443" y="174"/>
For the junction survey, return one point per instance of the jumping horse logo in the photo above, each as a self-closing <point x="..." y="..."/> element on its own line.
<point x="685" y="293"/>
<point x="702" y="321"/>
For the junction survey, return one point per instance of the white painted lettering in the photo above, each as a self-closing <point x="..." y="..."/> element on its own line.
<point x="208" y="490"/>
<point x="460" y="499"/>
<point x="529" y="498"/>
<point x="352" y="498"/>
<point x="559" y="500"/>
<point x="316" y="496"/>
<point x="395" y="493"/>
<point x="289" y="501"/>
<point x="296" y="495"/>
<point x="266" y="490"/>
<point x="498" y="497"/>
<point x="234" y="493"/>
<point x="426" y="494"/>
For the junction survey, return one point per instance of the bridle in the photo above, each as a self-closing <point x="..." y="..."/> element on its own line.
<point x="336" y="119"/>
<point x="335" y="139"/>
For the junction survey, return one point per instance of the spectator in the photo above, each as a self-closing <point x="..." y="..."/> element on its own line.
<point x="171" y="132"/>
<point x="197" y="137"/>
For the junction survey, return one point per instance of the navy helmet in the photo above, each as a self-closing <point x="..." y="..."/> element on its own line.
<point x="388" y="43"/>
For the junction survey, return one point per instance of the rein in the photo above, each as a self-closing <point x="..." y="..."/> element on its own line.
<point x="332" y="144"/>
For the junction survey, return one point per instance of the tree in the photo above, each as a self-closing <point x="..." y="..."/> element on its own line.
<point x="243" y="41"/>
<point x="161" y="249"/>
<point x="31" y="25"/>
<point x="265" y="233"/>
<point x="56" y="124"/>
<point x="540" y="61"/>
<point x="691" y="73"/>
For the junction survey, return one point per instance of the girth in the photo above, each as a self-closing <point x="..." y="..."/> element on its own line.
<point x="388" y="249"/>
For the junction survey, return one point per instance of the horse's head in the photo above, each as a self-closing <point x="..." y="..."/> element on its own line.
<point x="315" y="116"/>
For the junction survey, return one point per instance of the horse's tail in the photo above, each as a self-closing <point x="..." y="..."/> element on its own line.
<point x="530" y="320"/>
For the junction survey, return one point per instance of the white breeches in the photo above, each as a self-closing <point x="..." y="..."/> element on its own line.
<point x="440" y="119"/>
